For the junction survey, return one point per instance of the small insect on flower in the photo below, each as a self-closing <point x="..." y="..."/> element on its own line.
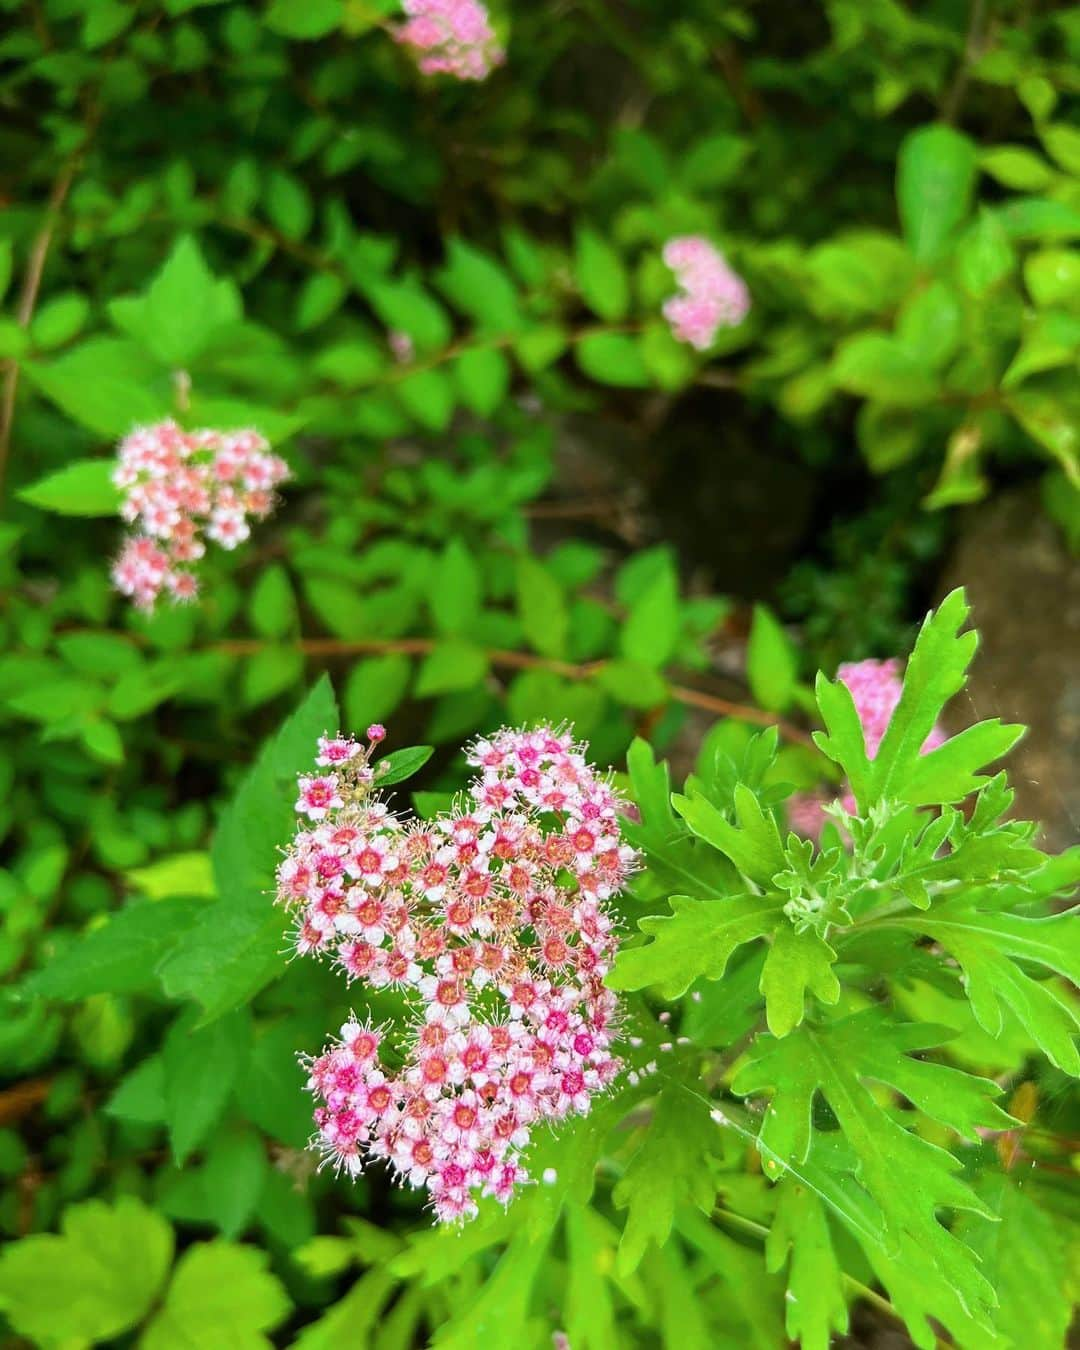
<point x="493" y="918"/>
<point x="179" y="488"/>
<point x="449" y="37"/>
<point x="711" y="295"/>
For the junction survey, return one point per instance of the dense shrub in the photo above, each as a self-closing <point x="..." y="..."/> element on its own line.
<point x="847" y="1061"/>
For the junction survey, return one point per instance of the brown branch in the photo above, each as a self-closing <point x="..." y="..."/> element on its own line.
<point x="974" y="46"/>
<point x="35" y="268"/>
<point x="22" y="1098"/>
<point x="512" y="660"/>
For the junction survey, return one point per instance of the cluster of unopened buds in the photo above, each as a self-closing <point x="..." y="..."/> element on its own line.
<point x="179" y="489"/>
<point x="711" y="296"/>
<point x="875" y="688"/>
<point x="451" y="37"/>
<point x="492" y="921"/>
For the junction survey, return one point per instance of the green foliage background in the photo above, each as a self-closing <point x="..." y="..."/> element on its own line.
<point x="221" y="212"/>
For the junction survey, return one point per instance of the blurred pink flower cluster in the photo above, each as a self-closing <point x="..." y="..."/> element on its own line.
<point x="875" y="688"/>
<point x="181" y="487"/>
<point x="492" y="921"/>
<point x="711" y="296"/>
<point x="451" y="37"/>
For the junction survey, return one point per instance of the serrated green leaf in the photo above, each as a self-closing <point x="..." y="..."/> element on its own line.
<point x="695" y="940"/>
<point x="815" y="1306"/>
<point x="796" y="963"/>
<point x="201" y="1066"/>
<point x="753" y="844"/>
<point x="668" y="1169"/>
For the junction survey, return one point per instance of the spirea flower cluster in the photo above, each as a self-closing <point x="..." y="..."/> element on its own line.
<point x="492" y="920"/>
<point x="875" y="688"/>
<point x="451" y="37"/>
<point x="711" y="295"/>
<point x="181" y="488"/>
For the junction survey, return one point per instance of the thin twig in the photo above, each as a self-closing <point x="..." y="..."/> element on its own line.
<point x="973" y="49"/>
<point x="513" y="660"/>
<point x="22" y="1098"/>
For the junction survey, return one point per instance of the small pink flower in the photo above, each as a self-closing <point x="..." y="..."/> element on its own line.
<point x="711" y="296"/>
<point x="449" y="37"/>
<point x="318" y="796"/>
<point x="179" y="487"/>
<point x="376" y="733"/>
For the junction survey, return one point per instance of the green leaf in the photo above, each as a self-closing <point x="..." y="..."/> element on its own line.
<point x="288" y="203"/>
<point x="375" y="688"/>
<point x="984" y="255"/>
<point x="929" y="324"/>
<point x="428" y="396"/>
<point x="613" y="358"/>
<point x="272" y="607"/>
<point x="59" y="319"/>
<point x="480" y="287"/>
<point x="600" y="275"/>
<point x="1017" y="167"/>
<point x="633" y="684"/>
<point x="92" y="1282"/>
<point x="771" y="662"/>
<point x="185" y="305"/>
<point x="1051" y="340"/>
<point x="82" y="488"/>
<point x="815" y="1306"/>
<point x="269" y="672"/>
<point x="842" y="741"/>
<point x="201" y="1066"/>
<point x="668" y="1168"/>
<point x="141" y="1094"/>
<point x="1040" y="218"/>
<point x="695" y="940"/>
<point x="877" y="366"/>
<point x="907" y="1178"/>
<point x="406" y="306"/>
<point x="451" y="666"/>
<point x="935" y="672"/>
<point x="304" y="20"/>
<point x="119" y="957"/>
<point x="652" y="628"/>
<point x="1051" y="424"/>
<point x="935" y="179"/>
<point x="796" y="962"/>
<point x="989" y="946"/>
<point x="754" y="845"/>
<point x="401" y="764"/>
<point x="321" y="296"/>
<point x="951" y="772"/>
<point x="221" y="1297"/>
<point x="1052" y="276"/>
<point x="105" y="384"/>
<point x="235" y="948"/>
<point x="483" y="378"/>
<point x="1026" y="1257"/>
<point x="542" y="607"/>
<point x="456" y="590"/>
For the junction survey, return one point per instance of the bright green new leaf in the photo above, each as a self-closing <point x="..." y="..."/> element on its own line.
<point x="612" y="358"/>
<point x="401" y="764"/>
<point x="935" y="178"/>
<point x="92" y="1282"/>
<point x="695" y="940"/>
<point x="221" y="1297"/>
<point x="83" y="488"/>
<point x="753" y="844"/>
<point x="651" y="631"/>
<point x="796" y="962"/>
<point x="184" y="305"/>
<point x="771" y="662"/>
<point x="989" y="946"/>
<point x="542" y="606"/>
<point x="480" y="287"/>
<point x="600" y="275"/>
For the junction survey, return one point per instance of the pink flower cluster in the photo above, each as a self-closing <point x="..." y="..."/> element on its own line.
<point x="451" y="37"/>
<point x="875" y="688"/>
<point x="492" y="921"/>
<point x="711" y="296"/>
<point x="179" y="487"/>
